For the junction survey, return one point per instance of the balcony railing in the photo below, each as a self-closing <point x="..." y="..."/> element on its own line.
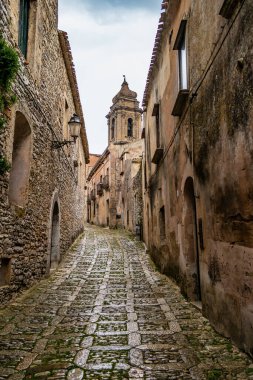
<point x="106" y="182"/>
<point x="100" y="188"/>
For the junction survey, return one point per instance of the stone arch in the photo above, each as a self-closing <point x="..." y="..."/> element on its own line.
<point x="190" y="242"/>
<point x="54" y="232"/>
<point x="21" y="161"/>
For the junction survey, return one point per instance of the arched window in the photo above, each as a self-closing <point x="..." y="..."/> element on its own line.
<point x="113" y="129"/>
<point x="21" y="156"/>
<point x="130" y="127"/>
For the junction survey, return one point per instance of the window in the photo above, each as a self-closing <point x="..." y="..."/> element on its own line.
<point x="162" y="223"/>
<point x="130" y="127"/>
<point x="113" y="129"/>
<point x="156" y="113"/>
<point x="23" y="25"/>
<point x="159" y="150"/>
<point x="180" y="45"/>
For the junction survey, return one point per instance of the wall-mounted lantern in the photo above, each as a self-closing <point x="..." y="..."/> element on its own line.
<point x="74" y="128"/>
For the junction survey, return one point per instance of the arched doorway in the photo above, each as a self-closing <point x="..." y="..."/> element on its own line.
<point x="191" y="251"/>
<point x="55" y="237"/>
<point x="21" y="158"/>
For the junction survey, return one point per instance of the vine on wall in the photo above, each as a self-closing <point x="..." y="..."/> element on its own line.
<point x="9" y="66"/>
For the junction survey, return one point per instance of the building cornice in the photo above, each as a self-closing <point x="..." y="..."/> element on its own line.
<point x="156" y="50"/>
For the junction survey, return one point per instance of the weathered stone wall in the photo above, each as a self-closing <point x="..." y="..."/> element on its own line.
<point x="43" y="90"/>
<point x="204" y="179"/>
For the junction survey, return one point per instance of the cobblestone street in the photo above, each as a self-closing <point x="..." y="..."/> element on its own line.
<point x="106" y="313"/>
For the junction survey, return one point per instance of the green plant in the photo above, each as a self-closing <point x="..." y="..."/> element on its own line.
<point x="9" y="66"/>
<point x="4" y="165"/>
<point x="214" y="374"/>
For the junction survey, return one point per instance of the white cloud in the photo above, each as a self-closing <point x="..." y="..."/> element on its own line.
<point x="104" y="48"/>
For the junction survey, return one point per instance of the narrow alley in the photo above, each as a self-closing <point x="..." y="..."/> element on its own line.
<point x="106" y="313"/>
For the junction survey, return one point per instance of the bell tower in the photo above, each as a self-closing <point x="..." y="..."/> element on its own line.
<point x="124" y="118"/>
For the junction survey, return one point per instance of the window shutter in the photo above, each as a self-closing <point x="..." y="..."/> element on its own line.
<point x="23" y="25"/>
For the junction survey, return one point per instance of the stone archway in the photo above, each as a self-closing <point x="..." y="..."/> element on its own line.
<point x="191" y="251"/>
<point x="21" y="160"/>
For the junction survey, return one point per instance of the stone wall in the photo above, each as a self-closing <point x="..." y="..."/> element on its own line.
<point x="46" y="102"/>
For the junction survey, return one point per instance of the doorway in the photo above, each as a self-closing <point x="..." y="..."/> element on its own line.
<point x="55" y="237"/>
<point x="191" y="250"/>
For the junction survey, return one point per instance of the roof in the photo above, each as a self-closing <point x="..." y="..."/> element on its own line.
<point x="68" y="59"/>
<point x="124" y="92"/>
<point x="155" y="53"/>
<point x="99" y="162"/>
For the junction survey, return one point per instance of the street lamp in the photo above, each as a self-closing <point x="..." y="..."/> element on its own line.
<point x="74" y="128"/>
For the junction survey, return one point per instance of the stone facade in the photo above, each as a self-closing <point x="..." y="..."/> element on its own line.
<point x="42" y="197"/>
<point x="198" y="158"/>
<point x="115" y="180"/>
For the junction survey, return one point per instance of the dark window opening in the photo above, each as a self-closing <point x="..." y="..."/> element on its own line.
<point x="162" y="223"/>
<point x="130" y="127"/>
<point x="127" y="217"/>
<point x="23" y="25"/>
<point x="113" y="129"/>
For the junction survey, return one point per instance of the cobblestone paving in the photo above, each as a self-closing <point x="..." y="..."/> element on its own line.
<point x="106" y="313"/>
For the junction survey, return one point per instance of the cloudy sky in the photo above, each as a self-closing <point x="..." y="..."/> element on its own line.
<point x="109" y="38"/>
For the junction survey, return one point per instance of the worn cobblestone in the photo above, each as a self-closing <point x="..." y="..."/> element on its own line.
<point x="106" y="313"/>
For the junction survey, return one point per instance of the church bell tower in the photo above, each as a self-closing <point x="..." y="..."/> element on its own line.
<point x="124" y="118"/>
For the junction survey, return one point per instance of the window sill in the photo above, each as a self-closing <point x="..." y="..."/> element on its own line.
<point x="157" y="155"/>
<point x="180" y="102"/>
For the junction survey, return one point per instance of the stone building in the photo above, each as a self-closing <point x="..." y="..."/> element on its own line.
<point x="115" y="195"/>
<point x="42" y="197"/>
<point x="198" y="158"/>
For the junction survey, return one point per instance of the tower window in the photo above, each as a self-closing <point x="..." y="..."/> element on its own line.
<point x="113" y="129"/>
<point x="23" y="25"/>
<point x="130" y="127"/>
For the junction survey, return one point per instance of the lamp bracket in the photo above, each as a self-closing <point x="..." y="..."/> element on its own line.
<point x="59" y="144"/>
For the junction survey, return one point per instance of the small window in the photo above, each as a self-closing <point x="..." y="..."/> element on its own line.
<point x="23" y="25"/>
<point x="180" y="45"/>
<point x="130" y="127"/>
<point x="113" y="129"/>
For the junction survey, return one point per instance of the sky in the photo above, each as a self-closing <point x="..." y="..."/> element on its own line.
<point x="108" y="38"/>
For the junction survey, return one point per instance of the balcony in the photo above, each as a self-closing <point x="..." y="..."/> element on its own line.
<point x="92" y="195"/>
<point x="106" y="182"/>
<point x="157" y="155"/>
<point x="180" y="102"/>
<point x="100" y="188"/>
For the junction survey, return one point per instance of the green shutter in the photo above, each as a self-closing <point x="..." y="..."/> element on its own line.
<point x="23" y="25"/>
